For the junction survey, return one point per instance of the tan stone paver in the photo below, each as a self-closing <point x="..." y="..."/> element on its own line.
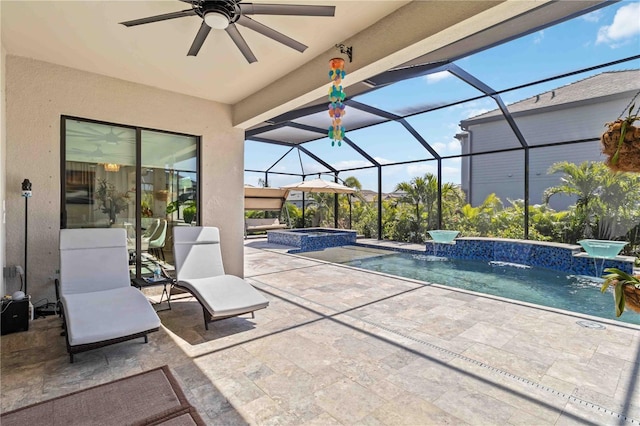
<point x="343" y="346"/>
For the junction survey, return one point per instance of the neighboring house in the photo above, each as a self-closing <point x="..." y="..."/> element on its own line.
<point x="295" y="198"/>
<point x="577" y="111"/>
<point x="371" y="196"/>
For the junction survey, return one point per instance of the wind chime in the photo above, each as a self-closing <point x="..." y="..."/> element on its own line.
<point x="336" y="97"/>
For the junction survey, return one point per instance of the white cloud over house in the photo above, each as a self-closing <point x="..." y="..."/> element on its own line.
<point x="625" y="26"/>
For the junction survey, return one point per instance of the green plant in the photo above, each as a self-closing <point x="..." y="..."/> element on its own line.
<point x="111" y="201"/>
<point x="189" y="213"/>
<point x="626" y="289"/>
<point x="175" y="205"/>
<point x="624" y="127"/>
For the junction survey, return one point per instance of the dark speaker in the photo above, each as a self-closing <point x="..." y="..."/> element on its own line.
<point x="15" y="316"/>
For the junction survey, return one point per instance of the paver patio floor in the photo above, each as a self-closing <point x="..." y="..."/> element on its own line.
<point x="343" y="346"/>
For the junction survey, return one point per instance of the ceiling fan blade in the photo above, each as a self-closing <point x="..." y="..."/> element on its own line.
<point x="203" y="32"/>
<point x="245" y="21"/>
<point x="157" y="18"/>
<point x="286" y="9"/>
<point x="235" y="35"/>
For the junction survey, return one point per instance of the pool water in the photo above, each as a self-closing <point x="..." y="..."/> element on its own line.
<point x="528" y="284"/>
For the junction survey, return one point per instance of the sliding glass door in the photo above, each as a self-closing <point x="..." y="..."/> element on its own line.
<point x="142" y="180"/>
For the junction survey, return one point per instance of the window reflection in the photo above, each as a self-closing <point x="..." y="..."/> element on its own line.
<point x="100" y="186"/>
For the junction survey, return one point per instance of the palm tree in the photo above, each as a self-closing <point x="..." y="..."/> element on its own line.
<point x="424" y="190"/>
<point x="353" y="182"/>
<point x="582" y="180"/>
<point x="322" y="213"/>
<point x="605" y="201"/>
<point x="414" y="193"/>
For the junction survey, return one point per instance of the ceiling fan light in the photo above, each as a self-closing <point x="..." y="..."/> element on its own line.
<point x="111" y="167"/>
<point x="216" y="20"/>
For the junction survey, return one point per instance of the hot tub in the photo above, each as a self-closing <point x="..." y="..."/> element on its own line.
<point x="312" y="239"/>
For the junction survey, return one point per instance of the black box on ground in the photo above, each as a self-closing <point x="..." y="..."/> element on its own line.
<point x="15" y="316"/>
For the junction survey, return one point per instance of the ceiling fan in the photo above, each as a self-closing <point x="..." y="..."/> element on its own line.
<point x="96" y="154"/>
<point x="95" y="134"/>
<point x="225" y="14"/>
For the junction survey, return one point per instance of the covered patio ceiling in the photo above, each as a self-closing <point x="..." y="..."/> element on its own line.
<point x="385" y="35"/>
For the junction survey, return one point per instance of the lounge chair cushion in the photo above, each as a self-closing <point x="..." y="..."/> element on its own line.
<point x="103" y="315"/>
<point x="93" y="260"/>
<point x="225" y="295"/>
<point x="200" y="270"/>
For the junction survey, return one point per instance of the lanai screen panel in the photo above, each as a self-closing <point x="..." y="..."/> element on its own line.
<point x="339" y="157"/>
<point x="261" y="156"/>
<point x="581" y="42"/>
<point x="290" y="135"/>
<point x="389" y="143"/>
<point x="441" y="128"/>
<point x="419" y="94"/>
<point x="353" y="119"/>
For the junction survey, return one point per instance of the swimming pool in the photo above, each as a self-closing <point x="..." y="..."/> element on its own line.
<point x="512" y="281"/>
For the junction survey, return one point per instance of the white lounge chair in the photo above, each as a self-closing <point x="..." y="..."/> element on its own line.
<point x="199" y="270"/>
<point x="100" y="307"/>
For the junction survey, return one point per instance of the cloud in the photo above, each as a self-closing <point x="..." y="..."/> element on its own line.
<point x="381" y="160"/>
<point x="447" y="148"/>
<point x="449" y="174"/>
<point x="351" y="164"/>
<point x="625" y="26"/>
<point x="474" y="108"/>
<point x="475" y="112"/>
<point x="439" y="76"/>
<point x="594" y="16"/>
<point x="420" y="169"/>
<point x="539" y="37"/>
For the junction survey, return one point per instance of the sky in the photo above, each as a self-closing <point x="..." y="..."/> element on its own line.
<point x="605" y="35"/>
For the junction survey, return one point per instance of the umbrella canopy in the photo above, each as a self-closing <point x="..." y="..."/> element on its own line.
<point x="320" y="185"/>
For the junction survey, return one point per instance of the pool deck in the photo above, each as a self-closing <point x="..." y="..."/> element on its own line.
<point x="343" y="346"/>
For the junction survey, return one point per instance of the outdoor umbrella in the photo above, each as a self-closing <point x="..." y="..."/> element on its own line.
<point x="320" y="185"/>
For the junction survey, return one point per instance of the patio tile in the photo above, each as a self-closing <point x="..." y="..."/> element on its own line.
<point x="347" y="401"/>
<point x="342" y="346"/>
<point x="265" y="411"/>
<point x="323" y="419"/>
<point x="527" y="367"/>
<point x="488" y="334"/>
<point x="293" y="391"/>
<point x="386" y="390"/>
<point x="446" y="328"/>
<point x="475" y="407"/>
<point x="525" y="396"/>
<point x="426" y="379"/>
<point x="408" y="409"/>
<point x="238" y="388"/>
<point x="586" y="375"/>
<point x="211" y="402"/>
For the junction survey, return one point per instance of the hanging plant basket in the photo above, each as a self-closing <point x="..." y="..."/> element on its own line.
<point x="632" y="298"/>
<point x="621" y="144"/>
<point x="626" y="290"/>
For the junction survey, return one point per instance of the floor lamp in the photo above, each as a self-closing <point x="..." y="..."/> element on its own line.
<point x="26" y="193"/>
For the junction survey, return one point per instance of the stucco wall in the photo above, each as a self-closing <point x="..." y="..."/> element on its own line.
<point x="3" y="149"/>
<point x="38" y="93"/>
